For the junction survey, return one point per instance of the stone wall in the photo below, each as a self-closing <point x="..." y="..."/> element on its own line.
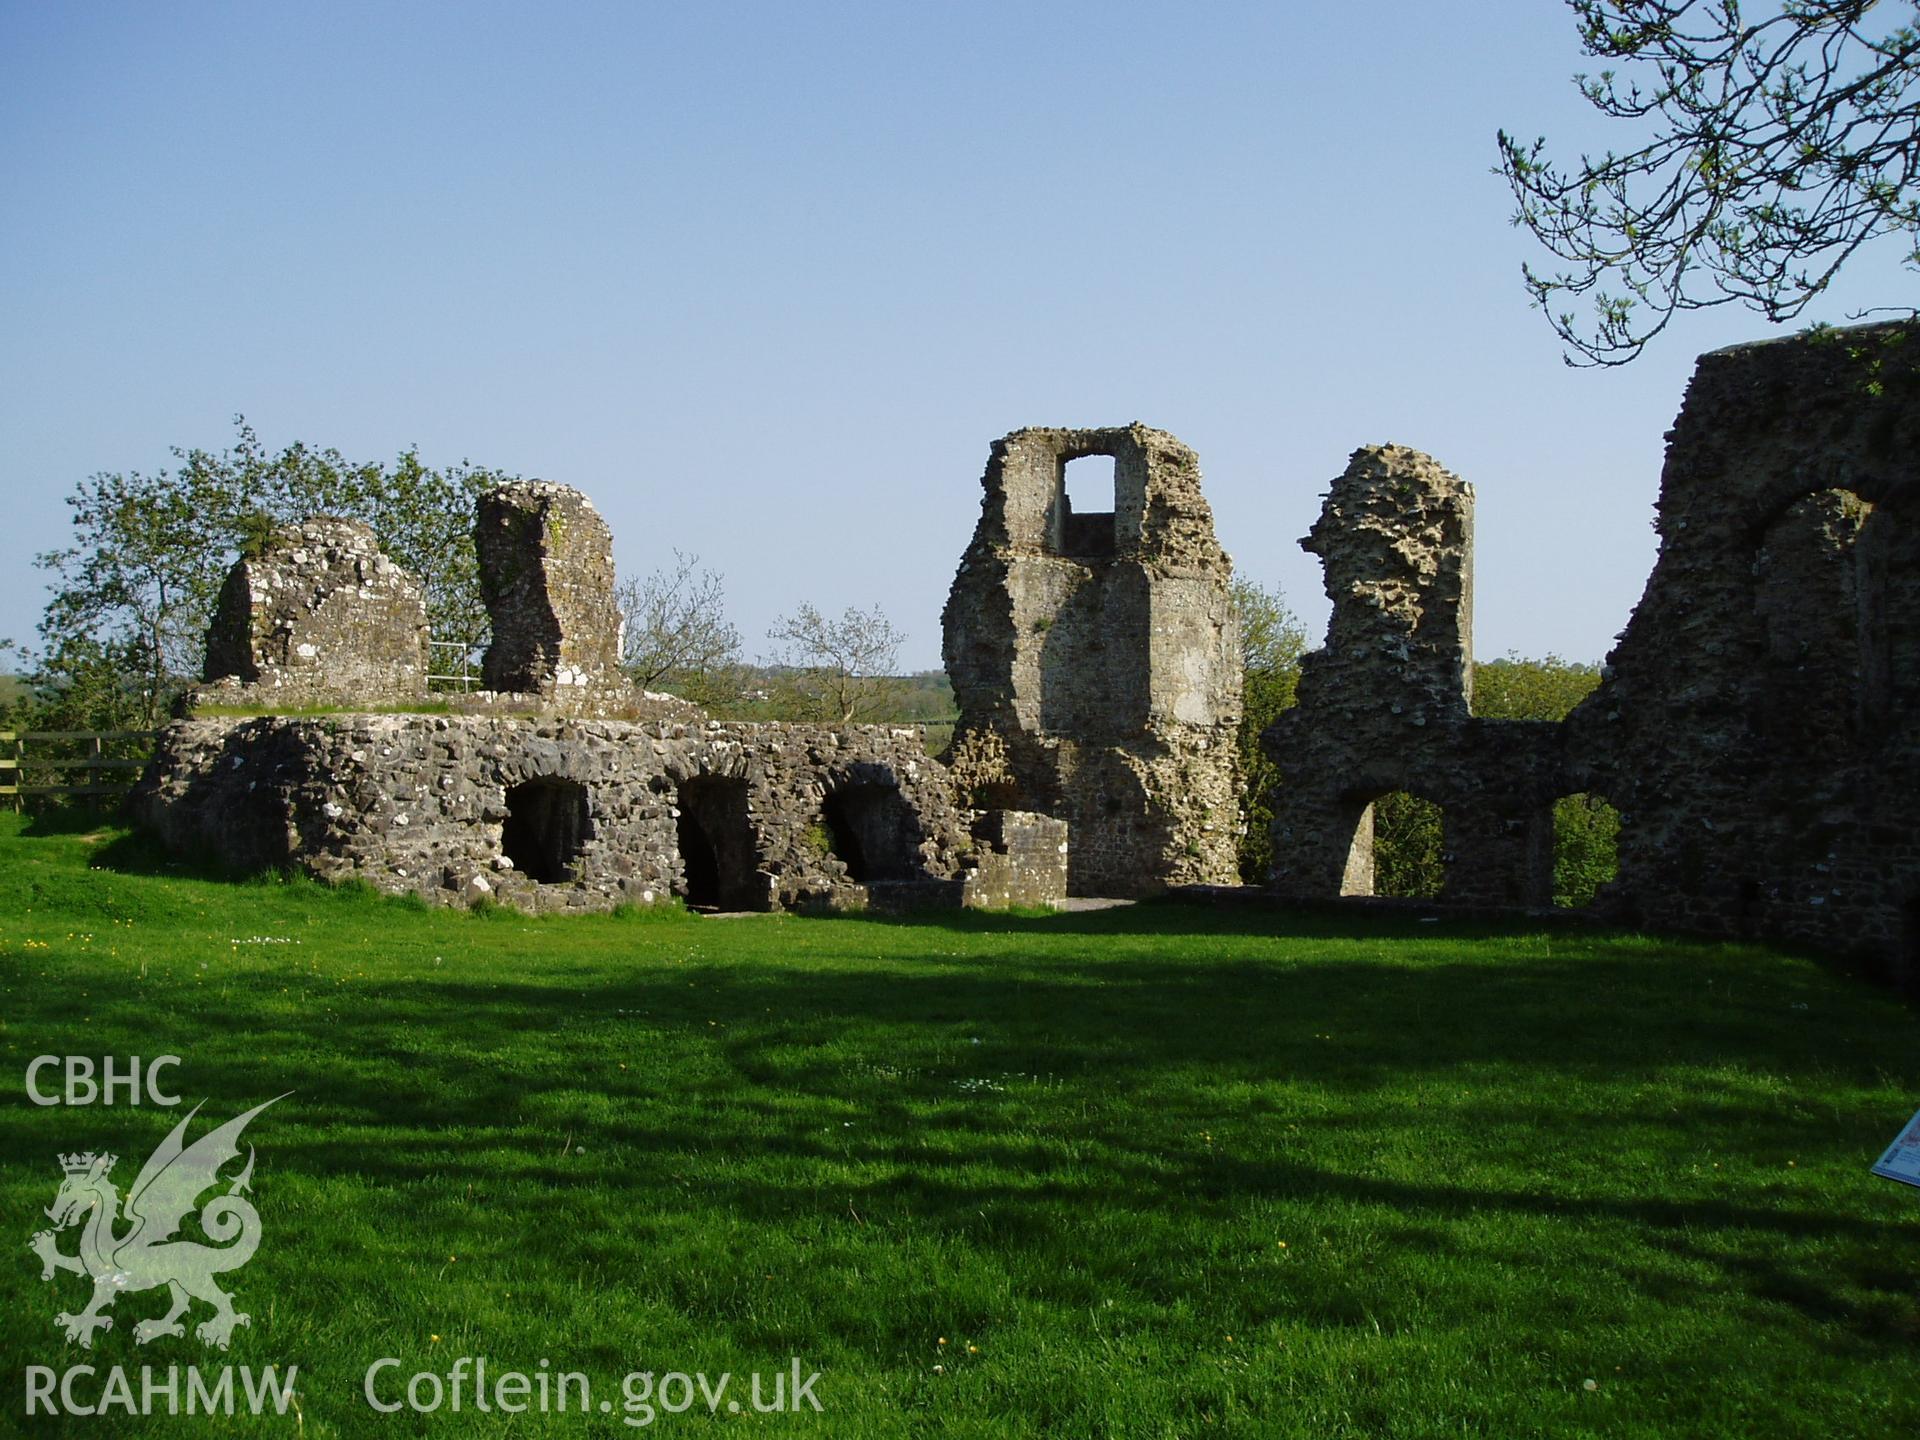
<point x="1386" y="704"/>
<point x="318" y="616"/>
<point x="1103" y="651"/>
<point x="1018" y="858"/>
<point x="576" y="814"/>
<point x="1759" y="724"/>
<point x="546" y="574"/>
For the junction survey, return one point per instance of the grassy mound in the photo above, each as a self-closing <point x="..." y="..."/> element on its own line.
<point x="1163" y="1171"/>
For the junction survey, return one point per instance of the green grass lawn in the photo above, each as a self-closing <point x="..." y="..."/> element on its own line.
<point x="1165" y="1171"/>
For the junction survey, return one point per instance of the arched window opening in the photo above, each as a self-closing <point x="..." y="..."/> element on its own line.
<point x="1816" y="592"/>
<point x="1396" y="850"/>
<point x="1408" y="855"/>
<point x="547" y="828"/>
<point x="1586" y="848"/>
<point x="873" y="831"/>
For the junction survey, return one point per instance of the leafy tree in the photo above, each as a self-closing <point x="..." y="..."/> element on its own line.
<point x="1272" y="641"/>
<point x="1586" y="847"/>
<point x="424" y="520"/>
<point x="678" y="637"/>
<point x="134" y="592"/>
<point x="125" y="628"/>
<point x="15" y="693"/>
<point x="1408" y="861"/>
<point x="1779" y="147"/>
<point x="837" y="671"/>
<point x="1517" y="689"/>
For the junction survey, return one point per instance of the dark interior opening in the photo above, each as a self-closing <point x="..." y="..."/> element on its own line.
<point x="875" y="834"/>
<point x="716" y="844"/>
<point x="702" y="866"/>
<point x="546" y="829"/>
<point x="1087" y="504"/>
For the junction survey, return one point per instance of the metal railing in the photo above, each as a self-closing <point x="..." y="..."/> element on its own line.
<point x="467" y="677"/>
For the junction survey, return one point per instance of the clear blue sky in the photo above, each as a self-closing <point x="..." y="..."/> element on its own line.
<point x="765" y="280"/>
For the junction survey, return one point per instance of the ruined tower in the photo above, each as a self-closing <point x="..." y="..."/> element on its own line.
<point x="1759" y="723"/>
<point x="1102" y="649"/>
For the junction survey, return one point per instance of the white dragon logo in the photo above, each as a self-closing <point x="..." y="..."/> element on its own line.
<point x="145" y="1256"/>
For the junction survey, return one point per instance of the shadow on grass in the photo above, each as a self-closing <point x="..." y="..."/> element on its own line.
<point x="777" y="1090"/>
<point x="48" y="821"/>
<point x="1579" y="1074"/>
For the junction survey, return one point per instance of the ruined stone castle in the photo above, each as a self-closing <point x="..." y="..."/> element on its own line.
<point x="1755" y="727"/>
<point x="560" y="786"/>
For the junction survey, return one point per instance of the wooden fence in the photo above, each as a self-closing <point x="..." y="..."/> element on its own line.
<point x="40" y="762"/>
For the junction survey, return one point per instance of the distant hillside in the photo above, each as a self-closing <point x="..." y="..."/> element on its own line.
<point x="928" y="697"/>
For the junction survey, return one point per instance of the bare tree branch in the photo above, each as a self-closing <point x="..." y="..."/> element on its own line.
<point x="1780" y="148"/>
<point x="842" y="670"/>
<point x="678" y="636"/>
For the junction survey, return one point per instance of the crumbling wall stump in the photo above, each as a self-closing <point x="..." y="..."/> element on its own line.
<point x="546" y="574"/>
<point x="317" y="616"/>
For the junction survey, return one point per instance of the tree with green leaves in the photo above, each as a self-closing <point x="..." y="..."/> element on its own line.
<point x="124" y="630"/>
<point x="1774" y="149"/>
<point x="1272" y="640"/>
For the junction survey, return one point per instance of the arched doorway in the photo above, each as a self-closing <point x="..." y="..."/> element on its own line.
<point x="717" y="850"/>
<point x="874" y="832"/>
<point x="547" y="827"/>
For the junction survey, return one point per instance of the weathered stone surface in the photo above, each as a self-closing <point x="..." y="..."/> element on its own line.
<point x="546" y="574"/>
<point x="1018" y="858"/>
<point x="1103" y="652"/>
<point x="573" y="814"/>
<point x="1759" y="724"/>
<point x="319" y="616"/>
<point x="1385" y="705"/>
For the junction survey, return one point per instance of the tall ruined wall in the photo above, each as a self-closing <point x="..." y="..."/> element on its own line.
<point x="1385" y="705"/>
<point x="548" y="813"/>
<point x="1759" y="723"/>
<point x="1103" y="650"/>
<point x="317" y="616"/>
<point x="546" y="574"/>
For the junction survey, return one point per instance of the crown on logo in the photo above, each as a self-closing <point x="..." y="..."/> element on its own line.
<point x="81" y="1163"/>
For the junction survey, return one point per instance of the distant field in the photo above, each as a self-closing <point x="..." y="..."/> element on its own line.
<point x="1164" y="1171"/>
